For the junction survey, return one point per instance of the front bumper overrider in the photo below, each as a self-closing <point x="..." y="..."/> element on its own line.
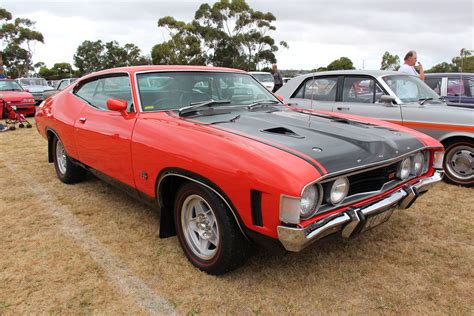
<point x="352" y="221"/>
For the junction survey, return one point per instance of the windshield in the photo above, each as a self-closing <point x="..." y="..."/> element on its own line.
<point x="33" y="82"/>
<point x="263" y="77"/>
<point x="9" y="86"/>
<point x="174" y="90"/>
<point x="409" y="88"/>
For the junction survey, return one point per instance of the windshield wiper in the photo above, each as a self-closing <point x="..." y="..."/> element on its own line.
<point x="196" y="105"/>
<point x="423" y="100"/>
<point x="232" y="120"/>
<point x="261" y="103"/>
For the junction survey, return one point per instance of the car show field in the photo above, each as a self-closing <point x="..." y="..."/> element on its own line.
<point x="89" y="248"/>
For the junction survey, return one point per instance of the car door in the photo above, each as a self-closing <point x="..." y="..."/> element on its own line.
<point x="317" y="93"/>
<point x="361" y="96"/>
<point x="103" y="137"/>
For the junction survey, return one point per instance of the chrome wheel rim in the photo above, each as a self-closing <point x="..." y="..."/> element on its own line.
<point x="460" y="162"/>
<point x="200" y="227"/>
<point x="61" y="157"/>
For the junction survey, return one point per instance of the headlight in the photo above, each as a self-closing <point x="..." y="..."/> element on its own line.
<point x="404" y="169"/>
<point x="309" y="200"/>
<point x="339" y="189"/>
<point x="417" y="164"/>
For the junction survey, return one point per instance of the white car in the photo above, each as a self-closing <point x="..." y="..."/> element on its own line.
<point x="264" y="78"/>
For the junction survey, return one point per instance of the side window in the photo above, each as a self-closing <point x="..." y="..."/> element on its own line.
<point x="87" y="91"/>
<point x="378" y="93"/>
<point x="62" y="85"/>
<point x="97" y="92"/>
<point x="359" y="90"/>
<point x="322" y="89"/>
<point x="456" y="87"/>
<point x="434" y="84"/>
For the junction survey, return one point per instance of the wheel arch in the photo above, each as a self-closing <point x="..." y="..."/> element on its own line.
<point x="167" y="183"/>
<point x="449" y="138"/>
<point x="50" y="134"/>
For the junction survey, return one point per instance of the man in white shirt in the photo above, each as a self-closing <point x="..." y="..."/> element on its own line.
<point x="409" y="66"/>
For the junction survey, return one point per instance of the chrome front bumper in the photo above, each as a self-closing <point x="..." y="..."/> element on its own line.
<point x="352" y="221"/>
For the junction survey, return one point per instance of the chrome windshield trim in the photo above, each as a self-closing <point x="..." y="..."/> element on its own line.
<point x="139" y="101"/>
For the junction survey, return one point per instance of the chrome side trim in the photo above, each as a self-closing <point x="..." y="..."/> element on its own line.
<point x="210" y="188"/>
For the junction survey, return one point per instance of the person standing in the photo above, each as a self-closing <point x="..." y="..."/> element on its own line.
<point x="277" y="79"/>
<point x="410" y="66"/>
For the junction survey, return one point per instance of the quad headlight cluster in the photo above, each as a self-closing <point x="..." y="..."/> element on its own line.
<point x="414" y="165"/>
<point x="334" y="192"/>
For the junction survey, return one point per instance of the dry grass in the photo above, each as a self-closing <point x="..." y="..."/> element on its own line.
<point x="420" y="262"/>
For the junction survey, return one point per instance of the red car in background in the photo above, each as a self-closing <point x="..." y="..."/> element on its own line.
<point x="229" y="165"/>
<point x="12" y="93"/>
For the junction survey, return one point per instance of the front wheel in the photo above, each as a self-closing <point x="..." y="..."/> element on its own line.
<point x="459" y="163"/>
<point x="207" y="231"/>
<point x="67" y="171"/>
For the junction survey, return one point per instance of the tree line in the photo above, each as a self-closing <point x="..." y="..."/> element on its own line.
<point x="227" y="33"/>
<point x="464" y="62"/>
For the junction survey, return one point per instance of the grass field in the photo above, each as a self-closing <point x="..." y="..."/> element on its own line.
<point x="88" y="248"/>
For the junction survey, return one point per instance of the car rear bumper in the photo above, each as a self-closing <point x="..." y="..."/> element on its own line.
<point x="354" y="220"/>
<point x="26" y="109"/>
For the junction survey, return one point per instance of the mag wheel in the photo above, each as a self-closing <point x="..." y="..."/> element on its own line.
<point x="66" y="170"/>
<point x="459" y="163"/>
<point x="207" y="230"/>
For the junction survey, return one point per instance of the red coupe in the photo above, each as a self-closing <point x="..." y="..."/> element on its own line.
<point x="228" y="165"/>
<point x="12" y="93"/>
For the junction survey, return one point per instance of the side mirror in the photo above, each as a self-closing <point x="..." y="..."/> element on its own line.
<point x="388" y="99"/>
<point x="26" y="90"/>
<point x="279" y="97"/>
<point x="117" y="105"/>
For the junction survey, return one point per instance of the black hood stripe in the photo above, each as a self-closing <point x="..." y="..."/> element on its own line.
<point x="329" y="143"/>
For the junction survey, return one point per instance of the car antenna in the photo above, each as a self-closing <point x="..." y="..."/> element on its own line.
<point x="312" y="94"/>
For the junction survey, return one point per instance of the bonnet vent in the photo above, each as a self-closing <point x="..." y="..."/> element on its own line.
<point x="282" y="131"/>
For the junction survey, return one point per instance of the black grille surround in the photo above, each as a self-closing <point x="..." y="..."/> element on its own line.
<point x="372" y="180"/>
<point x="363" y="185"/>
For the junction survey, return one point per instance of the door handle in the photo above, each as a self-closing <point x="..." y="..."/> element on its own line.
<point x="341" y="108"/>
<point x="82" y="119"/>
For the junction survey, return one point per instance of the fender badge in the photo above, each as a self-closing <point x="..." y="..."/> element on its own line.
<point x="317" y="149"/>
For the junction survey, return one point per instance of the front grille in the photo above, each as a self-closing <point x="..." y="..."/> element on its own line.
<point x="372" y="180"/>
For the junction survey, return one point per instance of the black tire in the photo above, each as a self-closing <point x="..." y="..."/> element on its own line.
<point x="232" y="250"/>
<point x="452" y="149"/>
<point x="72" y="173"/>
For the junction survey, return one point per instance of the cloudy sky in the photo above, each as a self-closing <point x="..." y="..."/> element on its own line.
<point x="317" y="31"/>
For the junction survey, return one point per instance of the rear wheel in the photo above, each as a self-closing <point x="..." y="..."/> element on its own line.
<point x="207" y="231"/>
<point x="67" y="171"/>
<point x="459" y="163"/>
